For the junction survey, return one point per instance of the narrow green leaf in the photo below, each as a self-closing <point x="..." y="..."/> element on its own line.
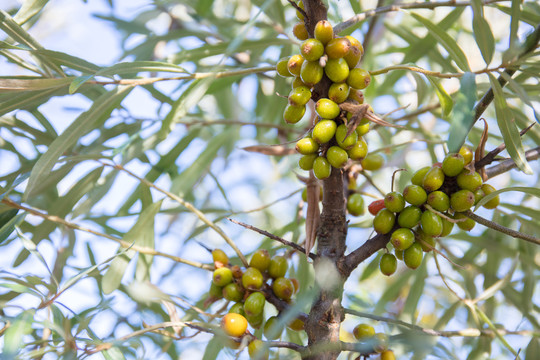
<point x="508" y="128"/>
<point x="527" y="190"/>
<point x="500" y="284"/>
<point x="25" y="84"/>
<point x="482" y="32"/>
<point x="32" y="248"/>
<point x="515" y="16"/>
<point x="445" y="99"/>
<point x="8" y="228"/>
<point x="78" y="82"/>
<point x="99" y="112"/>
<point x="463" y="116"/>
<point x="140" y="66"/>
<point x="70" y="61"/>
<point x="415" y="292"/>
<point x="29" y="9"/>
<point x="488" y="321"/>
<point x="215" y="345"/>
<point x="13" y="338"/>
<point x="27" y="100"/>
<point x="114" y="353"/>
<point x="446" y="41"/>
<point x="533" y="349"/>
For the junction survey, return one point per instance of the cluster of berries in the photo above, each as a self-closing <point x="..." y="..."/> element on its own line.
<point x="365" y="332"/>
<point x="438" y="197"/>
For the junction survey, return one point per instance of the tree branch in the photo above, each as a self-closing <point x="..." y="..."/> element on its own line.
<point x="363" y="252"/>
<point x="509" y="164"/>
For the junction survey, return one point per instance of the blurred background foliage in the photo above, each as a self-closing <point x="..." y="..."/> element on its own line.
<point x="82" y="140"/>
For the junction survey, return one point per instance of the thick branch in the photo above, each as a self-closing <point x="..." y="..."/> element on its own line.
<point x="509" y="164"/>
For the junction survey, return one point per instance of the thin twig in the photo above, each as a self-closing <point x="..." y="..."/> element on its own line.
<point x="509" y="164"/>
<point x="432" y="73"/>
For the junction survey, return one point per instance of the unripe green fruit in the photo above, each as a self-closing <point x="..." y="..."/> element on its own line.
<point x="399" y="254"/>
<point x="258" y="350"/>
<point x="394" y="201"/>
<point x="427" y="242"/>
<point x="297" y="82"/>
<point x="252" y="279"/>
<point x="372" y="162"/>
<point x="434" y="179"/>
<point x="381" y="342"/>
<point x="353" y="56"/>
<point x="462" y="200"/>
<point x="321" y="168"/>
<point x="337" y="70"/>
<point x="431" y="223"/>
<point x="324" y="31"/>
<point x="493" y="203"/>
<point x="215" y="292"/>
<point x="219" y="256"/>
<point x="271" y="330"/>
<point x="222" y="276"/>
<point x="447" y="227"/>
<point x="355" y="204"/>
<point x="312" y="49"/>
<point x="300" y="31"/>
<point x="337" y="157"/>
<point x="233" y="292"/>
<point x="299" y="15"/>
<point x="402" y="238"/>
<point x="295" y="64"/>
<point x="439" y="201"/>
<point x="478" y="195"/>
<point x="237" y="308"/>
<point x="234" y="324"/>
<point x="467" y="154"/>
<point x="306" y="161"/>
<point x="299" y="96"/>
<point x="338" y="92"/>
<point x="414" y="195"/>
<point x="293" y="114"/>
<point x="363" y="127"/>
<point x="311" y="72"/>
<point x="254" y="304"/>
<point x="467" y="224"/>
<point x="358" y="78"/>
<point x="413" y="256"/>
<point x="469" y="181"/>
<point x="260" y="260"/>
<point x="281" y="67"/>
<point x="307" y="146"/>
<point x="388" y="264"/>
<point x="359" y="150"/>
<point x="256" y="320"/>
<point x="324" y="131"/>
<point x="409" y="217"/>
<point x="327" y="109"/>
<point x="296" y="325"/>
<point x="283" y="288"/>
<point x="337" y="48"/>
<point x="453" y="164"/>
<point x="363" y="331"/>
<point x="384" y="221"/>
<point x="356" y="95"/>
<point x="345" y="142"/>
<point x="278" y="267"/>
<point x="419" y="175"/>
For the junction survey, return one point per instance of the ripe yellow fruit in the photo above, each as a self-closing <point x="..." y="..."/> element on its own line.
<point x="234" y="324"/>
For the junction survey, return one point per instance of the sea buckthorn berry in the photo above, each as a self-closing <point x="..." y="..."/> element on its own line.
<point x="433" y="180"/>
<point x="233" y="292"/>
<point x="413" y="256"/>
<point x="321" y="168"/>
<point x="344" y="141"/>
<point x="479" y="195"/>
<point x="394" y="201"/>
<point x="409" y="217"/>
<point x="337" y="157"/>
<point x="300" y="15"/>
<point x="359" y="150"/>
<point x="283" y="288"/>
<point x="355" y="204"/>
<point x="254" y="304"/>
<point x="215" y="292"/>
<point x="363" y="127"/>
<point x="298" y="81"/>
<point x="338" y="92"/>
<point x="453" y="164"/>
<point x="327" y="109"/>
<point x="271" y="330"/>
<point x="337" y="48"/>
<point x="324" y="131"/>
<point x="295" y="64"/>
<point x="237" y="272"/>
<point x="372" y="162"/>
<point x="461" y="200"/>
<point x="418" y="176"/>
<point x="306" y="161"/>
<point x="299" y="96"/>
<point x="237" y="308"/>
<point x="256" y="320"/>
<point x="363" y="331"/>
<point x="402" y="238"/>
<point x="278" y="267"/>
<point x="312" y="49"/>
<point x="324" y="31"/>
<point x="293" y="114"/>
<point x="252" y="279"/>
<point x="222" y="276"/>
<point x="299" y="31"/>
<point x="296" y="325"/>
<point x="282" y="68"/>
<point x="414" y="195"/>
<point x="358" y="78"/>
<point x="376" y="206"/>
<point x="356" y="95"/>
<point x="260" y="260"/>
<point x="388" y="355"/>
<point x="439" y="201"/>
<point x="493" y="203"/>
<point x="355" y="42"/>
<point x="384" y="221"/>
<point x="381" y="342"/>
<point x="427" y="242"/>
<point x="388" y="264"/>
<point x="431" y="223"/>
<point x="467" y="224"/>
<point x="399" y="254"/>
<point x="467" y="154"/>
<point x="469" y="180"/>
<point x="258" y="350"/>
<point x="234" y="324"/>
<point x="337" y="70"/>
<point x="311" y="72"/>
<point x="447" y="227"/>
<point x="219" y="256"/>
<point x="353" y="56"/>
<point x="307" y="146"/>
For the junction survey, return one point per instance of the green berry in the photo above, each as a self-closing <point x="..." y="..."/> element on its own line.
<point x="327" y="109"/>
<point x="439" y="201"/>
<point x="363" y="331"/>
<point x="469" y="180"/>
<point x="343" y="141"/>
<point x="356" y="95"/>
<point x="299" y="96"/>
<point x="399" y="254"/>
<point x="355" y="204"/>
<point x="215" y="292"/>
<point x="254" y="304"/>
<point x="358" y="78"/>
<point x="466" y="223"/>
<point x="414" y="195"/>
<point x="337" y="70"/>
<point x="324" y="31"/>
<point x="447" y="227"/>
<point x="260" y="260"/>
<point x="252" y="279"/>
<point x="233" y="292"/>
<point x="255" y="320"/>
<point x="338" y="92"/>
<point x="283" y="288"/>
<point x="219" y="256"/>
<point x="293" y="114"/>
<point x="306" y="161"/>
<point x="299" y="15"/>
<point x="402" y="238"/>
<point x="337" y="48"/>
<point x="427" y="242"/>
<point x="258" y="350"/>
<point x="418" y="176"/>
<point x="295" y="64"/>
<point x="222" y="276"/>
<point x="372" y="162"/>
<point x="413" y="256"/>
<point x="271" y="330"/>
<point x="321" y="168"/>
<point x="307" y="146"/>
<point x="394" y="201"/>
<point x="384" y="221"/>
<point x="278" y="267"/>
<point x="388" y="264"/>
<point x="493" y="203"/>
<point x="353" y="56"/>
<point x="237" y="308"/>
<point x="300" y="31"/>
<point x="337" y="157"/>
<point x="281" y="67"/>
<point x="433" y="179"/>
<point x="311" y="73"/>
<point x="298" y="82"/>
<point x="462" y="200"/>
<point x="453" y="164"/>
<point x="312" y="49"/>
<point x="324" y="131"/>
<point x="363" y="127"/>
<point x="431" y="223"/>
<point x="409" y="217"/>
<point x="479" y="195"/>
<point x="467" y="154"/>
<point x="359" y="150"/>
